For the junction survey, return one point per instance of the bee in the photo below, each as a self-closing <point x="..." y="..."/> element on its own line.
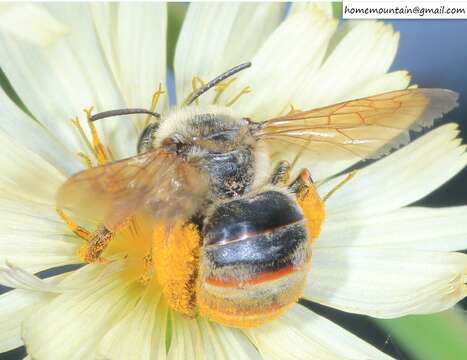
<point x="227" y="244"/>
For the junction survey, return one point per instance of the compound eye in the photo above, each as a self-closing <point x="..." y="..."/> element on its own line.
<point x="172" y="143"/>
<point x="145" y="142"/>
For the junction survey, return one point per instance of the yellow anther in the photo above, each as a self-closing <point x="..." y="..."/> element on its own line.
<point x="244" y="91"/>
<point x="98" y="147"/>
<point x="155" y="97"/>
<point x="77" y="124"/>
<point x="154" y="101"/>
<point x="110" y="153"/>
<point x="339" y="185"/>
<point x="293" y="110"/>
<point x="196" y="83"/>
<point x="87" y="161"/>
<point x="221" y="87"/>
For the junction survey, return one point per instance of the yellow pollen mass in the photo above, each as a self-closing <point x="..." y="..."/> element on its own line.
<point x="175" y="259"/>
<point x="313" y="209"/>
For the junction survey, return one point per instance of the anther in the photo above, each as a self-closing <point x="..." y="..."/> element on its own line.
<point x="244" y="91"/>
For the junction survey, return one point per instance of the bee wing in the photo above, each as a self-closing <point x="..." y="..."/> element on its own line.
<point x="155" y="183"/>
<point x="362" y="128"/>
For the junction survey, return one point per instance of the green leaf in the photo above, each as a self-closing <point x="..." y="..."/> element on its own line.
<point x="337" y="10"/>
<point x="10" y="91"/>
<point x="176" y="14"/>
<point x="441" y="336"/>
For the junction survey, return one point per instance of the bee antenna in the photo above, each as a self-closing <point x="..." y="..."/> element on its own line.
<point x="118" y="112"/>
<point x="196" y="94"/>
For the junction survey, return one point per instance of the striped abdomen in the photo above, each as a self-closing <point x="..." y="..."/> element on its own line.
<point x="254" y="260"/>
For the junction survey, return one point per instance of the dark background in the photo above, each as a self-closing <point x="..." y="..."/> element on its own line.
<point x="435" y="53"/>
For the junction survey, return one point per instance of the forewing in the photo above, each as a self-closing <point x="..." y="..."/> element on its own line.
<point x="156" y="183"/>
<point x="363" y="128"/>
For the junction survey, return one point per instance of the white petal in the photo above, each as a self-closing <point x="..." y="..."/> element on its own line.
<point x="302" y="334"/>
<point x="400" y="178"/>
<point x="58" y="81"/>
<point x="203" y="340"/>
<point x="37" y="26"/>
<point x="140" y="335"/>
<point x="364" y="54"/>
<point x="15" y="306"/>
<point x="133" y="38"/>
<point x="26" y="174"/>
<point x="387" y="283"/>
<point x="33" y="237"/>
<point x="296" y="48"/>
<point x="412" y="228"/>
<point x="72" y="324"/>
<point x="392" y="81"/>
<point x="217" y="36"/>
<point x="27" y="132"/>
<point x="16" y="277"/>
<point x="303" y="6"/>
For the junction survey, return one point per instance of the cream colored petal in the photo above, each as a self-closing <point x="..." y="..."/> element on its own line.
<point x="414" y="228"/>
<point x="296" y="48"/>
<point x="302" y="334"/>
<point x="15" y="277"/>
<point x="364" y="54"/>
<point x="26" y="174"/>
<point x="392" y="81"/>
<point x="15" y="306"/>
<point x="141" y="334"/>
<point x="72" y="325"/>
<point x="387" y="283"/>
<point x="203" y="340"/>
<point x="33" y="237"/>
<point x="217" y="36"/>
<point x="36" y="138"/>
<point x="37" y="26"/>
<point x="399" y="179"/>
<point x="56" y="82"/>
<point x="133" y="38"/>
<point x="297" y="7"/>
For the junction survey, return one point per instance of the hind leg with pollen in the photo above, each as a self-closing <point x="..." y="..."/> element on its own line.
<point x="96" y="242"/>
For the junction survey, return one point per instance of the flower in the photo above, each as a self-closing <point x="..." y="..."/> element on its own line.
<point x="375" y="255"/>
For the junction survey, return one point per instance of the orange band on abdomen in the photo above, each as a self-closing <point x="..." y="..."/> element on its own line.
<point x="258" y="279"/>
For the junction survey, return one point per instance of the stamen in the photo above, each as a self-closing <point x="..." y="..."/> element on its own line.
<point x="194" y="85"/>
<point x="99" y="149"/>
<point x="154" y="101"/>
<point x="110" y="153"/>
<point x="244" y="91"/>
<point x="77" y="124"/>
<point x="338" y="186"/>
<point x="221" y="87"/>
<point x="293" y="110"/>
<point x="86" y="159"/>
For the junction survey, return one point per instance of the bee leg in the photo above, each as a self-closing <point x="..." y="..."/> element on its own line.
<point x="91" y="252"/>
<point x="74" y="227"/>
<point x="302" y="184"/>
<point x="310" y="202"/>
<point x="281" y="173"/>
<point x="99" y="148"/>
<point x="97" y="241"/>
